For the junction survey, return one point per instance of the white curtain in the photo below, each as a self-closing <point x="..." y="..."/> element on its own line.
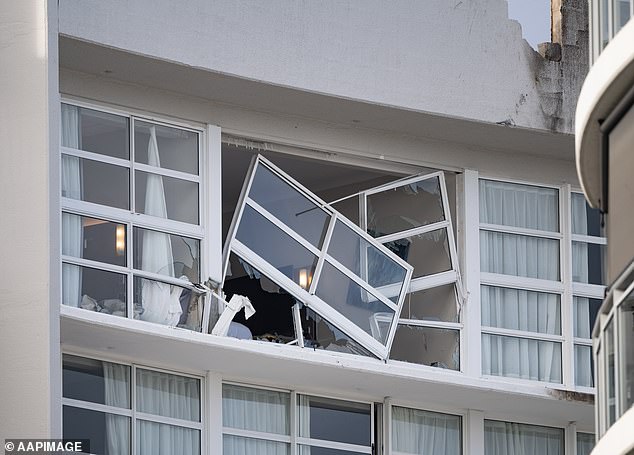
<point x="265" y="411"/>
<point x="303" y="402"/>
<point x="424" y="432"/>
<point x="585" y="443"/>
<point x="170" y="396"/>
<point x="505" y="438"/>
<point x="160" y="300"/>
<point x="71" y="188"/>
<point x="525" y="256"/>
<point x="579" y="249"/>
<point x="521" y="357"/>
<point x="116" y="384"/>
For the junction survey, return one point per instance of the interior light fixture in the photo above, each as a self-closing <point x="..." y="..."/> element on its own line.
<point x="120" y="240"/>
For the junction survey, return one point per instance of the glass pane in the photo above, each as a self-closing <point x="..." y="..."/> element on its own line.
<point x="524" y="206"/>
<point x="168" y="395"/>
<point x="435" y="304"/>
<point x="610" y="372"/>
<point x="96" y="182"/>
<point x="94" y="239"/>
<point x="238" y="445"/>
<point x="108" y="433"/>
<point x="273" y="318"/>
<point x="427" y="346"/>
<point x="604" y="16"/>
<point x="366" y="261"/>
<point x="96" y="381"/>
<point x="166" y="197"/>
<point x="177" y="149"/>
<point x="354" y="302"/>
<point x="517" y="309"/>
<point x="94" y="290"/>
<point x="622" y="14"/>
<point x="626" y="348"/>
<point x="584" y="312"/>
<point x="519" y="255"/>
<point x="585" y="443"/>
<point x="585" y="220"/>
<point x="275" y="246"/>
<point x="428" y="253"/>
<point x="521" y="358"/>
<point x="95" y="131"/>
<point x="321" y="334"/>
<point x="414" y="431"/>
<point x="406" y="207"/>
<point x="167" y="254"/>
<point x="167" y="304"/>
<point x="265" y="411"/>
<point x="538" y="439"/>
<point x="584" y="366"/>
<point x="156" y="438"/>
<point x="588" y="263"/>
<point x="289" y="206"/>
<point x="349" y="208"/>
<point x="334" y="420"/>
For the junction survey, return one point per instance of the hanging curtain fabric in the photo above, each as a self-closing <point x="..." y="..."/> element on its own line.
<point x="265" y="411"/>
<point x="579" y="249"/>
<point x="160" y="302"/>
<point x="525" y="256"/>
<point x="116" y="390"/>
<point x="506" y="438"/>
<point x="169" y="396"/>
<point x="415" y="431"/>
<point x="304" y="421"/>
<point x="71" y="188"/>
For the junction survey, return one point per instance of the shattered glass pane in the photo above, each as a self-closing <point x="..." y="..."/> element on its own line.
<point x="321" y="334"/>
<point x="434" y="304"/>
<point x="428" y="253"/>
<point x="427" y="346"/>
<point x="405" y="207"/>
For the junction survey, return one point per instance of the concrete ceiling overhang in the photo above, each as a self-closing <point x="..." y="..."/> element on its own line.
<point x="608" y="80"/>
<point x="216" y="87"/>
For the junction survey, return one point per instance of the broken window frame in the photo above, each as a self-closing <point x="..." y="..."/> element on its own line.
<point x="308" y="297"/>
<point x="451" y="276"/>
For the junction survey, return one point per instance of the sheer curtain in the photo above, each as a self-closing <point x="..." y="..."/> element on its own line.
<point x="71" y="188"/>
<point x="505" y="438"/>
<point x="527" y="311"/>
<point x="117" y="386"/>
<point x="264" y="411"/>
<point x="169" y="396"/>
<point x="585" y="443"/>
<point x="160" y="302"/>
<point x="523" y="256"/>
<point x="424" y="432"/>
<point x="579" y="249"/>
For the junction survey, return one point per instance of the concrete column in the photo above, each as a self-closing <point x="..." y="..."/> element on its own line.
<point x="30" y="375"/>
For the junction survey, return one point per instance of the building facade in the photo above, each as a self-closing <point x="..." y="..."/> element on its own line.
<point x="296" y="227"/>
<point x="604" y="137"/>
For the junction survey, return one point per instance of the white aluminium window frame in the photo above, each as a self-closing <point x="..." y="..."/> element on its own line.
<point x="208" y="203"/>
<point x="132" y="412"/>
<point x="309" y="297"/>
<point x="451" y="276"/>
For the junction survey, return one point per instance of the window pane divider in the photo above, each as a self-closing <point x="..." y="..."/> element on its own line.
<point x="164" y="278"/>
<point x="520" y="231"/>
<point x="432" y="281"/>
<point x="412" y="232"/>
<point x="589" y="239"/>
<point x="256" y="434"/>
<point x="95" y="264"/>
<point x="273" y="219"/>
<point x="89" y="405"/>
<point x="334" y="445"/>
<point x="121" y="162"/>
<point x="166" y="172"/>
<point x="590" y="291"/>
<point x="582" y="341"/>
<point x="431" y="323"/>
<point x="518" y="282"/>
<point x="522" y="334"/>
<point x="322" y="255"/>
<point x="168" y="420"/>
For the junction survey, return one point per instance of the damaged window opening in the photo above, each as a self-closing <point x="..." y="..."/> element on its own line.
<point x="320" y="283"/>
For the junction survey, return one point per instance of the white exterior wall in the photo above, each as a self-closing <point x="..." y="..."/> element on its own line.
<point x="30" y="377"/>
<point x="450" y="57"/>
